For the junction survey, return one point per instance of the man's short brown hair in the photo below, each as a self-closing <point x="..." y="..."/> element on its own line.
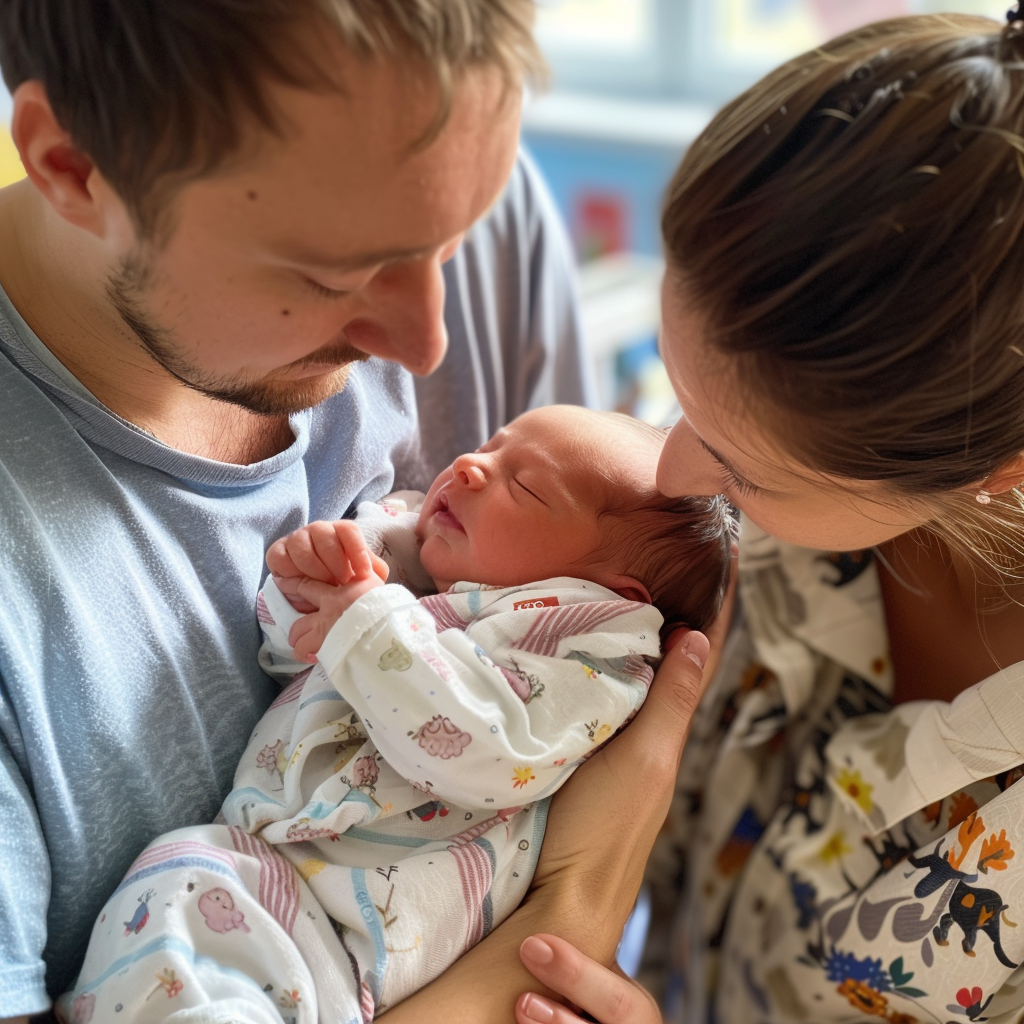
<point x="159" y="92"/>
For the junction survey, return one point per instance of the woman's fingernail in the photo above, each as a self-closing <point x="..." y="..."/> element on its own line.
<point x="538" y="951"/>
<point x="695" y="648"/>
<point x="538" y="1009"/>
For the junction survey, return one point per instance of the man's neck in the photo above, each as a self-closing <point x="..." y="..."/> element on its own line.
<point x="55" y="276"/>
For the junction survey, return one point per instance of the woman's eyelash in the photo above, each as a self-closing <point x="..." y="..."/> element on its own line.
<point x="737" y="484"/>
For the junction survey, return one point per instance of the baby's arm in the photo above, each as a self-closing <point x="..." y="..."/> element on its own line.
<point x="322" y="569"/>
<point x="481" y="731"/>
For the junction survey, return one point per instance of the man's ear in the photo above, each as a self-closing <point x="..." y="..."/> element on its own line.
<point x="1008" y="475"/>
<point x="626" y="586"/>
<point x="64" y="175"/>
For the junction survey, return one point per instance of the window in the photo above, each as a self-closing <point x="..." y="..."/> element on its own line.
<point x="706" y="50"/>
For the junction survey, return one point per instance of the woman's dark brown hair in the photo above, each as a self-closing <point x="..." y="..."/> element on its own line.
<point x="851" y="231"/>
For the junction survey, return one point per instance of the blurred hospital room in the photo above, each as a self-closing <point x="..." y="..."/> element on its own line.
<point x="632" y="84"/>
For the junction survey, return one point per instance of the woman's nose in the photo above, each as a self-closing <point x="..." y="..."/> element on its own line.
<point x="685" y="467"/>
<point x="469" y="471"/>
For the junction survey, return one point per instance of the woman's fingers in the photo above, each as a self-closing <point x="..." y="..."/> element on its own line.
<point x="604" y="994"/>
<point x="534" y="1009"/>
<point x="720" y="628"/>
<point x="677" y="686"/>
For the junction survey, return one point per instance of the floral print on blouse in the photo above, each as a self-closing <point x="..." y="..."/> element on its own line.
<point x="845" y="859"/>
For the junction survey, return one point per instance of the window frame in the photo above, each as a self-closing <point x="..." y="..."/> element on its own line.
<point x="694" y="70"/>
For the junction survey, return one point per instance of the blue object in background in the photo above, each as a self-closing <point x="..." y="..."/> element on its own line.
<point x="638" y="175"/>
<point x="634" y="936"/>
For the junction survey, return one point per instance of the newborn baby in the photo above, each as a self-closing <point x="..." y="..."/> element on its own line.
<point x="389" y="809"/>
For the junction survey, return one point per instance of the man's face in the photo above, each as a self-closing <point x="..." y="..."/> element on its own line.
<point x="527" y="505"/>
<point x="324" y="246"/>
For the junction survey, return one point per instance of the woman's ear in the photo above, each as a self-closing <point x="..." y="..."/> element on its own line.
<point x="1007" y="476"/>
<point x="626" y="586"/>
<point x="64" y="175"/>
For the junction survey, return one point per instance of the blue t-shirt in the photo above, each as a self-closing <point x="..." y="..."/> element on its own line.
<point x="129" y="570"/>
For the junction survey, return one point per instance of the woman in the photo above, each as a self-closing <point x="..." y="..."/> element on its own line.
<point x="844" y="328"/>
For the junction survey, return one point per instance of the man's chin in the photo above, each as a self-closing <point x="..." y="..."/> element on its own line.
<point x="283" y="397"/>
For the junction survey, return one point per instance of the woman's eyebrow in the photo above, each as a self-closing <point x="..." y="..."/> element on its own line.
<point x="742" y="477"/>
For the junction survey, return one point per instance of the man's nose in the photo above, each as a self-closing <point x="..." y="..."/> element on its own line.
<point x="412" y="295"/>
<point x="469" y="471"/>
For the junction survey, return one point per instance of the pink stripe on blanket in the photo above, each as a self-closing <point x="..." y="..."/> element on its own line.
<point x="169" y="851"/>
<point x="366" y="1003"/>
<point x="445" y="616"/>
<point x="279" y="887"/>
<point x="476" y="874"/>
<point x="292" y="690"/>
<point x="553" y="625"/>
<point x="476" y="831"/>
<point x="636" y="667"/>
<point x="263" y="612"/>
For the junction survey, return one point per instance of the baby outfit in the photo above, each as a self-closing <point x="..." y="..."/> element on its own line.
<point x="388" y="810"/>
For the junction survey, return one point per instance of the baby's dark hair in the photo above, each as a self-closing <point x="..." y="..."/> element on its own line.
<point x="679" y="548"/>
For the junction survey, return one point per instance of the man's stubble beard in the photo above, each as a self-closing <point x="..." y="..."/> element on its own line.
<point x="126" y="288"/>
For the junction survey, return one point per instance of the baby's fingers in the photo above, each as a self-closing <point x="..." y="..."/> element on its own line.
<point x="316" y="552"/>
<point x="303" y="639"/>
<point x="279" y="562"/>
<point x="380" y="567"/>
<point x="289" y="586"/>
<point x="352" y="544"/>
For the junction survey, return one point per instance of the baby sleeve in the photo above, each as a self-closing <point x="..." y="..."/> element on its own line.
<point x="494" y="708"/>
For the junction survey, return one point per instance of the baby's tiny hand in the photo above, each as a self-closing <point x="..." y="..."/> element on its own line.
<point x="330" y="552"/>
<point x="333" y="553"/>
<point x="327" y="603"/>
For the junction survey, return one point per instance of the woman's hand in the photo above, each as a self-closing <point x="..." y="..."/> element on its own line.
<point x="600" y="831"/>
<point x="605" y="819"/>
<point x="602" y="826"/>
<point x="607" y="995"/>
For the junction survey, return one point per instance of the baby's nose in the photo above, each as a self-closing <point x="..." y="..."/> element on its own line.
<point x="469" y="472"/>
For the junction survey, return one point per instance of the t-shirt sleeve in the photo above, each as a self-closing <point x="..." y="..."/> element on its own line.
<point x="24" y="894"/>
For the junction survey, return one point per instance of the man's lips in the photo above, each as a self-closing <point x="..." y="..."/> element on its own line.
<point x="444" y="515"/>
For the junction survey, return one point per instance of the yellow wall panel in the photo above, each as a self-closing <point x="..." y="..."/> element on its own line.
<point x="10" y="162"/>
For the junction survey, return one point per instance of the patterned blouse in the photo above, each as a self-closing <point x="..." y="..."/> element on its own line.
<point x="845" y="859"/>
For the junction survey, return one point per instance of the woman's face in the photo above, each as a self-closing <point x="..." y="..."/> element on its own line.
<point x="717" y="446"/>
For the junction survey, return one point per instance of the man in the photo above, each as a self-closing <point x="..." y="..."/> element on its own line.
<point x="230" y="206"/>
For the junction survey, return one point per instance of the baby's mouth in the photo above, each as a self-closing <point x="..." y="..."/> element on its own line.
<point x="444" y="514"/>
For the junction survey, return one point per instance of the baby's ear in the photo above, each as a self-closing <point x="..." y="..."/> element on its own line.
<point x="626" y="586"/>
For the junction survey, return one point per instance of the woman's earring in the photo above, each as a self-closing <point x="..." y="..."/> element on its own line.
<point x="983" y="497"/>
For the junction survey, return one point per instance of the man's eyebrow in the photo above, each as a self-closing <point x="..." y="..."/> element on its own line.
<point x="295" y="252"/>
<point x="728" y="465"/>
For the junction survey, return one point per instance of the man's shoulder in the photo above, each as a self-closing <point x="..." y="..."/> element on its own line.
<point x="524" y="214"/>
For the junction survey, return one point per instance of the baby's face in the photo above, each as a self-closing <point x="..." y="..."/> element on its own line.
<point x="526" y="506"/>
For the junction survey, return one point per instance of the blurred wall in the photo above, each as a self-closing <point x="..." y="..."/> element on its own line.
<point x="10" y="164"/>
